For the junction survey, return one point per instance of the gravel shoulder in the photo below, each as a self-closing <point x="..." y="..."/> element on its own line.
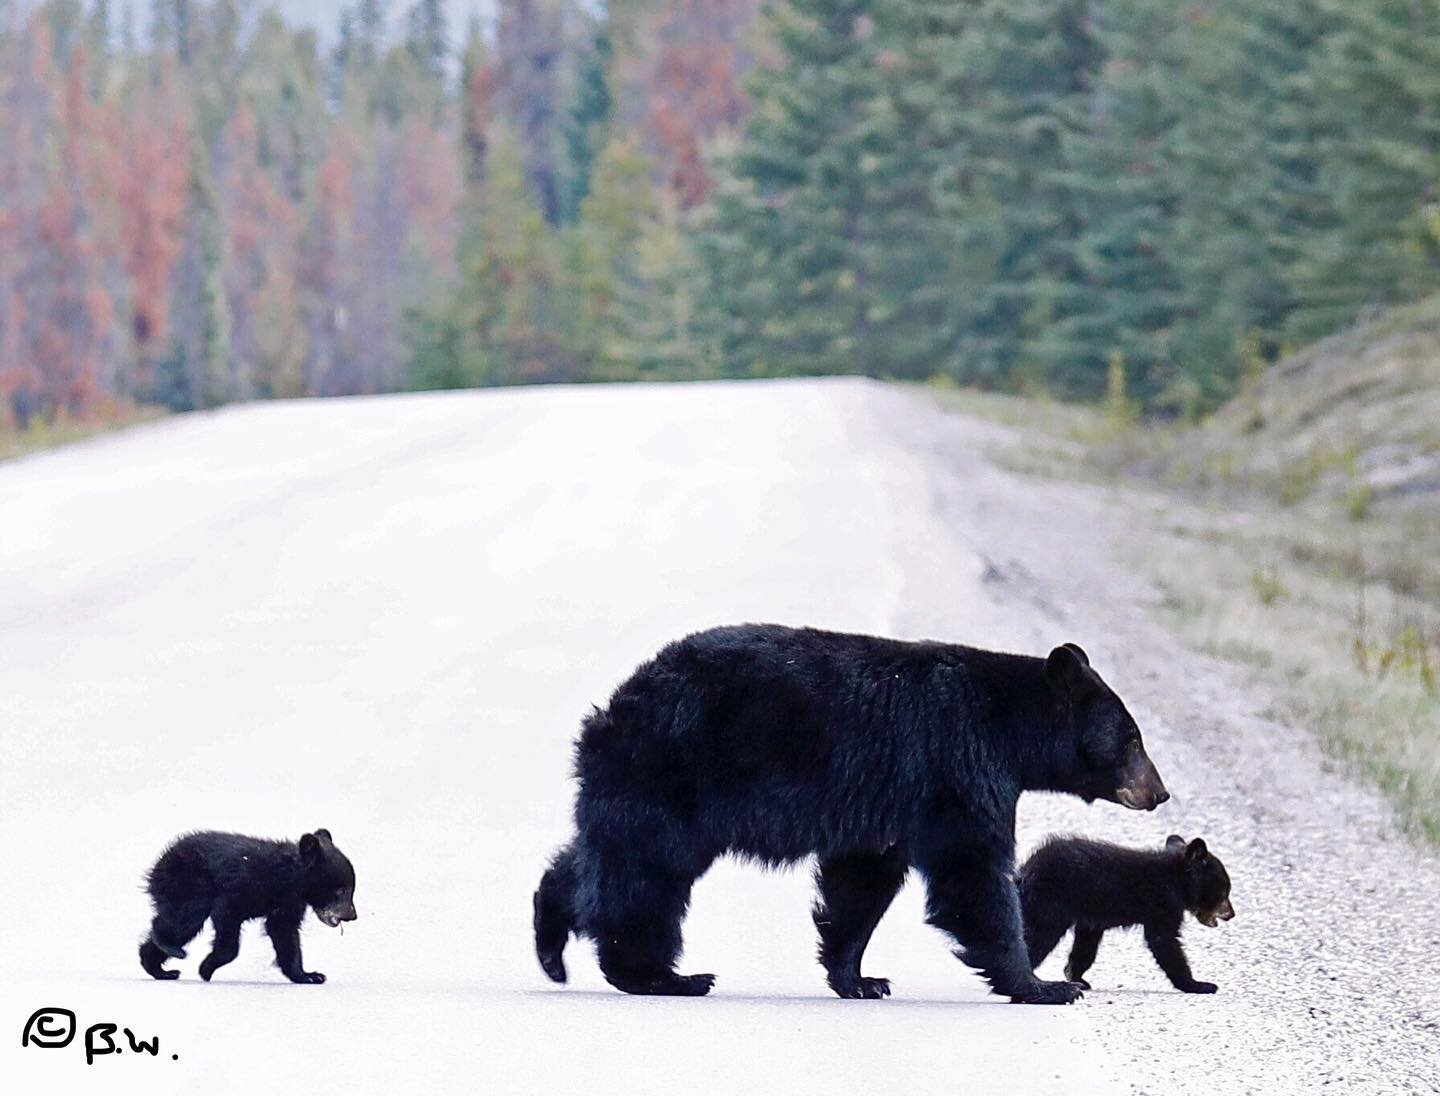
<point x="1327" y="973"/>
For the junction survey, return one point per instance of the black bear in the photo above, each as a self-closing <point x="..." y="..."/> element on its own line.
<point x="1093" y="886"/>
<point x="873" y="754"/>
<point x="231" y="879"/>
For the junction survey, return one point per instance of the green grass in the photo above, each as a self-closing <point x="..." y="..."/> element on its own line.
<point x="1328" y="599"/>
<point x="41" y="434"/>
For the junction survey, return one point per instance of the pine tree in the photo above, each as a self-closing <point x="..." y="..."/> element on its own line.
<point x="794" y="236"/>
<point x="1377" y="83"/>
<point x="427" y="36"/>
<point x="197" y="371"/>
<point x="923" y="271"/>
<point x="1243" y="153"/>
<point x="1024" y="71"/>
<point x="1124" y="294"/>
<point x="530" y="50"/>
<point x="588" y="124"/>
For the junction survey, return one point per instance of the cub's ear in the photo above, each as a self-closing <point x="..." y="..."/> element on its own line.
<point x="324" y="835"/>
<point x="1174" y="841"/>
<point x="309" y="848"/>
<point x="1079" y="653"/>
<point x="1196" y="850"/>
<point x="1068" y="670"/>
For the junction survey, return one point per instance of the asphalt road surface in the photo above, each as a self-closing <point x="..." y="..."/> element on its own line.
<point x="386" y="616"/>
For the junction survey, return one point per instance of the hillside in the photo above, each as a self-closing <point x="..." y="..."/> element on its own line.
<point x="1354" y="419"/>
<point x="1296" y="533"/>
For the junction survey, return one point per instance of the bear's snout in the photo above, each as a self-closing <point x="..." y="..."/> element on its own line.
<point x="1140" y="787"/>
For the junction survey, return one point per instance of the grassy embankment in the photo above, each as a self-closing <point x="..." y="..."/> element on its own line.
<point x="1297" y="532"/>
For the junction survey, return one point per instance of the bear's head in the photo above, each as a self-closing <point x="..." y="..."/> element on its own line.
<point x="329" y="878"/>
<point x="1109" y="758"/>
<point x="1207" y="883"/>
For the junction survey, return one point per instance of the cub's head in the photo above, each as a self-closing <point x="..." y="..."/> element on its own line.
<point x="1207" y="883"/>
<point x="1110" y="760"/>
<point x="329" y="878"/>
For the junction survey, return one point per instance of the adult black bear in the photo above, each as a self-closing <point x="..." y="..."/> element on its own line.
<point x="1093" y="886"/>
<point x="875" y="755"/>
<point x="231" y="879"/>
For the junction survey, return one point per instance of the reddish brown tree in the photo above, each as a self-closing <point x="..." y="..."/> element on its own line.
<point x="691" y="58"/>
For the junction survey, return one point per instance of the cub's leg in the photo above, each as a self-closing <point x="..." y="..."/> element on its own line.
<point x="227" y="941"/>
<point x="1164" y="943"/>
<point x="174" y="926"/>
<point x="284" y="932"/>
<point x="1082" y="953"/>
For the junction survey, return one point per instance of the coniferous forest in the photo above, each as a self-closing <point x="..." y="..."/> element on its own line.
<point x="200" y="203"/>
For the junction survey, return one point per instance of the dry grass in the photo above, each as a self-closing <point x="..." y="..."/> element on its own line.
<point x="39" y="434"/>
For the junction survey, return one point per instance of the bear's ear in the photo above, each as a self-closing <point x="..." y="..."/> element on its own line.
<point x="1174" y="841"/>
<point x="309" y="848"/>
<point x="324" y="835"/>
<point x="1079" y="653"/>
<point x="1195" y="851"/>
<point x="1067" y="669"/>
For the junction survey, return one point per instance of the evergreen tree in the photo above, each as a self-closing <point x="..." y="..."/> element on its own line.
<point x="427" y="36"/>
<point x="587" y="127"/>
<point x="1124" y="293"/>
<point x="798" y="227"/>
<point x="197" y="371"/>
<point x="1377" y="84"/>
<point x="925" y="273"/>
<point x="1024" y="71"/>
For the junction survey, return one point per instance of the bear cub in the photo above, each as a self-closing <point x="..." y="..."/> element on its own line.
<point x="231" y="879"/>
<point x="1092" y="886"/>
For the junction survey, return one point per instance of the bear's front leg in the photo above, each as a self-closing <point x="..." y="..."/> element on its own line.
<point x="975" y="901"/>
<point x="1164" y="944"/>
<point x="284" y="931"/>
<point x="227" y="941"/>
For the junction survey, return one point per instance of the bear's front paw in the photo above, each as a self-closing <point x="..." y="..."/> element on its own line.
<point x="1050" y="993"/>
<point x="310" y="978"/>
<point x="1081" y="982"/>
<point x="862" y="988"/>
<point x="1200" y="987"/>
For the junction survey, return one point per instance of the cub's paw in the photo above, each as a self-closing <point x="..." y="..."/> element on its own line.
<point x="165" y="975"/>
<point x="1200" y="987"/>
<point x="1081" y="983"/>
<point x="862" y="989"/>
<point x="309" y="978"/>
<point x="1050" y="993"/>
<point x="206" y="969"/>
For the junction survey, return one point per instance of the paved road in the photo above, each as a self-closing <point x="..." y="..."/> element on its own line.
<point x="385" y="616"/>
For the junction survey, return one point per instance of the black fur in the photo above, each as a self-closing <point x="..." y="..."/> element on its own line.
<point x="874" y="755"/>
<point x="231" y="879"/>
<point x="1093" y="886"/>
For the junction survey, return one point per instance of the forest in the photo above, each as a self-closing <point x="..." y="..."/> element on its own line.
<point x="200" y="203"/>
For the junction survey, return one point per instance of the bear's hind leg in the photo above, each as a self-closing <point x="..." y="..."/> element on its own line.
<point x="855" y="891"/>
<point x="638" y="908"/>
<point x="174" y="926"/>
